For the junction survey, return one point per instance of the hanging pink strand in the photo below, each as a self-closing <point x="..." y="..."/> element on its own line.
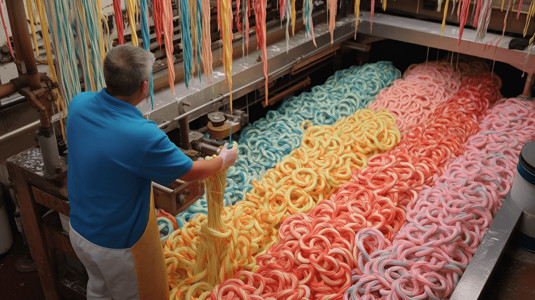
<point x="8" y="42"/>
<point x="463" y="18"/>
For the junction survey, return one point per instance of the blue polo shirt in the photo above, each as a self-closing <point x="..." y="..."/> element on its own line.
<point x="114" y="154"/>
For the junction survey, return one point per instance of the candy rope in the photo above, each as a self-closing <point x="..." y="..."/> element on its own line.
<point x="157" y="14"/>
<point x="225" y="25"/>
<point x="445" y="226"/>
<point x="131" y="8"/>
<point x="265" y="142"/>
<point x="260" y="16"/>
<point x="186" y="40"/>
<point x="317" y="250"/>
<point x="118" y="15"/>
<point x="308" y="175"/>
<point x="167" y="23"/>
<point x="206" y="41"/>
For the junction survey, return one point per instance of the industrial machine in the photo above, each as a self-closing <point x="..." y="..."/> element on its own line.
<point x="199" y="120"/>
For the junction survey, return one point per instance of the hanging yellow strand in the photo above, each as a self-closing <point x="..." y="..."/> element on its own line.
<point x="193" y="30"/>
<point x="132" y="10"/>
<point x="87" y="57"/>
<point x="384" y="5"/>
<point x="60" y="104"/>
<point x="29" y="9"/>
<point x="357" y="15"/>
<point x="293" y="16"/>
<point x="226" y="37"/>
<point x="100" y="35"/>
<point x="444" y="17"/>
<point x="531" y="12"/>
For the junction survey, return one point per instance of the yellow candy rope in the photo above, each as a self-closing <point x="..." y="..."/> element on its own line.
<point x="226" y="37"/>
<point x="357" y="15"/>
<point x="309" y="174"/>
<point x="132" y="10"/>
<point x="100" y="35"/>
<point x="213" y="246"/>
<point x="444" y="17"/>
<point x="293" y="16"/>
<point x="531" y="12"/>
<point x="60" y="104"/>
<point x="193" y="29"/>
<point x="29" y="9"/>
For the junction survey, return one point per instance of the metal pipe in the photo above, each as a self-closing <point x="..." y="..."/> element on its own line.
<point x="22" y="42"/>
<point x="7" y="89"/>
<point x="11" y="134"/>
<point x="288" y="91"/>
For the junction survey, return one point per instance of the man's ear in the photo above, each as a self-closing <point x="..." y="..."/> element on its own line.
<point x="145" y="86"/>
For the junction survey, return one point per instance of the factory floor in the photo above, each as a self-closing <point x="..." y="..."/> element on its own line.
<point x="513" y="278"/>
<point x="16" y="285"/>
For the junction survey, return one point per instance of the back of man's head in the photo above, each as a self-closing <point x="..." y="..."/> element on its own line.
<point x="125" y="69"/>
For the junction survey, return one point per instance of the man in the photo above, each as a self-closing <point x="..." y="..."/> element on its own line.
<point x="114" y="154"/>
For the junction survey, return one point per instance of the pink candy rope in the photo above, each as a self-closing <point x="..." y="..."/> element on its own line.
<point x="444" y="227"/>
<point x="415" y="97"/>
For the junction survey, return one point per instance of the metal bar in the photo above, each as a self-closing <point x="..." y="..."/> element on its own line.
<point x="429" y="34"/>
<point x="247" y="76"/>
<point x="488" y="253"/>
<point x="22" y="42"/>
<point x="287" y="92"/>
<point x="11" y="134"/>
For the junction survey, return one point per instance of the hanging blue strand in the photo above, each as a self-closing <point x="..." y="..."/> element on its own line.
<point x="199" y="36"/>
<point x="307" y="16"/>
<point x="186" y="39"/>
<point x="146" y="42"/>
<point x="93" y="23"/>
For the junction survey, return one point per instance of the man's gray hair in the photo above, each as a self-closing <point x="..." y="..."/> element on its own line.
<point x="125" y="69"/>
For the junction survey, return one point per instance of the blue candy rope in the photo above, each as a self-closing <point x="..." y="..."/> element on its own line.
<point x="265" y="142"/>
<point x="146" y="43"/>
<point x="186" y="39"/>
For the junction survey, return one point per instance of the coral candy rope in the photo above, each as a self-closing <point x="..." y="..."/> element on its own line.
<point x="206" y="41"/>
<point x="118" y="14"/>
<point x="449" y="220"/>
<point x="157" y="13"/>
<point x="8" y="42"/>
<point x="260" y="16"/>
<point x="167" y="23"/>
<point x="316" y="250"/>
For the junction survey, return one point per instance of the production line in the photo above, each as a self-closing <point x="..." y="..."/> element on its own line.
<point x="380" y="180"/>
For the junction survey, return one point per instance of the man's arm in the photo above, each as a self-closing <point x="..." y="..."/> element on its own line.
<point x="205" y="168"/>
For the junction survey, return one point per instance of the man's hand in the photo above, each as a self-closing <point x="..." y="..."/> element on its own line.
<point x="228" y="155"/>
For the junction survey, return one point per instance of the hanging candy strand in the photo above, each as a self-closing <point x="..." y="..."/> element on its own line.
<point x="307" y="19"/>
<point x="167" y="24"/>
<point x="186" y="40"/>
<point x="484" y="20"/>
<point x="260" y="15"/>
<point x="8" y="42"/>
<point x="29" y="9"/>
<point x="225" y="26"/>
<point x="60" y="102"/>
<point x="145" y="35"/>
<point x="118" y="14"/>
<point x="131" y="7"/>
<point x="192" y="9"/>
<point x="531" y="12"/>
<point x="463" y="17"/>
<point x="293" y="16"/>
<point x="206" y="41"/>
<point x="331" y="4"/>
<point x="198" y="34"/>
<point x="444" y="15"/>
<point x="94" y="35"/>
<point x="246" y="15"/>
<point x="519" y="9"/>
<point x="357" y="15"/>
<point x="82" y="32"/>
<point x="372" y="10"/>
<point x="157" y="19"/>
